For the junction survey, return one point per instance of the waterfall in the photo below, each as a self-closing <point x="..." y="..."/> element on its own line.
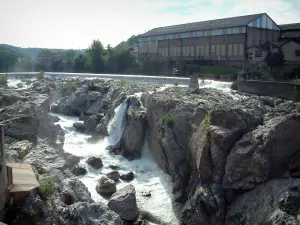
<point x="215" y="84"/>
<point x="117" y="125"/>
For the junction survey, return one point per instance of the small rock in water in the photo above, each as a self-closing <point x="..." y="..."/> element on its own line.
<point x="79" y="170"/>
<point x="114" y="167"/>
<point x="127" y="176"/>
<point x="79" y="127"/>
<point x="106" y="186"/>
<point x="114" y="175"/>
<point x="146" y="193"/>
<point x="95" y="162"/>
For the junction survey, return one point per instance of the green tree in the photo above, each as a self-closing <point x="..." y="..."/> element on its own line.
<point x="79" y="63"/>
<point x="7" y="60"/>
<point x="95" y="57"/>
<point x="25" y="64"/>
<point x="275" y="59"/>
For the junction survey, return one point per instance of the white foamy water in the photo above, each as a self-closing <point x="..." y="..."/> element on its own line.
<point x="215" y="84"/>
<point x="148" y="176"/>
<point x="17" y="83"/>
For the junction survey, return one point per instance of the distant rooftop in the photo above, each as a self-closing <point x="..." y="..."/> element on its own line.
<point x="291" y="26"/>
<point x="204" y="25"/>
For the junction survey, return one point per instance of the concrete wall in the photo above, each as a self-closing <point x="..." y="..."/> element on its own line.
<point x="269" y="88"/>
<point x="259" y="36"/>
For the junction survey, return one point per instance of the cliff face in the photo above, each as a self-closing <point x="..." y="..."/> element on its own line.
<point x="221" y="148"/>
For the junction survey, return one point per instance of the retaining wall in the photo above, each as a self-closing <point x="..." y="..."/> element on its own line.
<point x="283" y="90"/>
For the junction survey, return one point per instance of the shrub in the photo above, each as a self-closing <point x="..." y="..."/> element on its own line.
<point x="132" y="113"/>
<point x="68" y="87"/>
<point x="31" y="212"/>
<point x="47" y="186"/>
<point x="123" y="82"/>
<point x="176" y="83"/>
<point x="3" y="79"/>
<point x="297" y="104"/>
<point x="207" y="122"/>
<point x="169" y="119"/>
<point x="40" y="75"/>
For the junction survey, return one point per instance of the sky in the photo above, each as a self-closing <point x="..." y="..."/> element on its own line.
<point x="75" y="23"/>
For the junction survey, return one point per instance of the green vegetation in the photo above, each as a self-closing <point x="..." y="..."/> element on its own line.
<point x="3" y="79"/>
<point x="176" y="83"/>
<point x="207" y="122"/>
<point x="217" y="70"/>
<point x="275" y="59"/>
<point x="7" y="61"/>
<point x="133" y="113"/>
<point x="123" y="82"/>
<point x="40" y="75"/>
<point x="31" y="212"/>
<point x="169" y="119"/>
<point x="47" y="186"/>
<point x="27" y="81"/>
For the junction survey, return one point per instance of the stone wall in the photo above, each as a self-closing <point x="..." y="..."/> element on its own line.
<point x="283" y="90"/>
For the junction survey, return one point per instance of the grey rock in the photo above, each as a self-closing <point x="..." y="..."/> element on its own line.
<point x="95" y="162"/>
<point x="123" y="202"/>
<point x="79" y="127"/>
<point x="106" y="186"/>
<point x="79" y="170"/>
<point x="71" y="159"/>
<point x="114" y="175"/>
<point x="22" y="148"/>
<point x="127" y="176"/>
<point x="194" y="82"/>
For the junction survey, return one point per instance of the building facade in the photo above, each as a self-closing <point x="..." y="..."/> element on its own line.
<point x="222" y="42"/>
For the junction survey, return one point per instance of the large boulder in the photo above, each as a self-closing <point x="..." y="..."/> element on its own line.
<point x="263" y="153"/>
<point x="114" y="175"/>
<point x="123" y="202"/>
<point x="22" y="148"/>
<point x="127" y="176"/>
<point x="274" y="202"/>
<point x="79" y="170"/>
<point x="106" y="186"/>
<point x="95" y="162"/>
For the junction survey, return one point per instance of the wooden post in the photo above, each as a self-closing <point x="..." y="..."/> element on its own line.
<point x="2" y="170"/>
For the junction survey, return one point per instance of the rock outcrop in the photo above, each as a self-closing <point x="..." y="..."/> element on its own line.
<point x="106" y="186"/>
<point x="123" y="202"/>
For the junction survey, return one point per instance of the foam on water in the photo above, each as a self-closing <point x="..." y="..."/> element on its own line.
<point x="215" y="84"/>
<point x="148" y="176"/>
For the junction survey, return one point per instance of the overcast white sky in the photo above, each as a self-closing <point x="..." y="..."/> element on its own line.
<point x="75" y="23"/>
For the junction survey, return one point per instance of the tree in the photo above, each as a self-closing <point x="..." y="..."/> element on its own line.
<point x="7" y="60"/>
<point x="25" y="64"/>
<point x="95" y="57"/>
<point x="275" y="59"/>
<point x="79" y="63"/>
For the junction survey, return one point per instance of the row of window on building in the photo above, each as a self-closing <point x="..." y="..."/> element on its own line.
<point x="216" y="50"/>
<point x="232" y="30"/>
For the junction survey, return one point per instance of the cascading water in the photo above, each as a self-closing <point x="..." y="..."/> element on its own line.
<point x="215" y="84"/>
<point x="148" y="176"/>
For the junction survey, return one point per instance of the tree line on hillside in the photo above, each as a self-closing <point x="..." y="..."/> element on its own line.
<point x="96" y="59"/>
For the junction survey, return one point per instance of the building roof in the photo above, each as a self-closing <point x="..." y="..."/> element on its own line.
<point x="204" y="25"/>
<point x="291" y="26"/>
<point x="278" y="44"/>
<point x="23" y="178"/>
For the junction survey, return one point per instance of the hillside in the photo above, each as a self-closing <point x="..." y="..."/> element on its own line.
<point x="29" y="52"/>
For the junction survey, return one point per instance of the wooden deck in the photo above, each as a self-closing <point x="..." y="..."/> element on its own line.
<point x="22" y="178"/>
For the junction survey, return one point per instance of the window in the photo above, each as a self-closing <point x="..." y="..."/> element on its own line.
<point x="222" y="50"/>
<point x="229" y="30"/>
<point x="185" y="35"/>
<point x="166" y="52"/>
<point x="230" y="49"/>
<point x="241" y="49"/>
<point x="192" y="50"/>
<point x="201" y="50"/>
<point x="206" y="50"/>
<point x="199" y="34"/>
<point x="213" y="50"/>
<point x="258" y="53"/>
<point x="187" y="50"/>
<point x="197" y="50"/>
<point x="184" y="51"/>
<point x="235" y="49"/>
<point x="194" y="34"/>
<point x="208" y="33"/>
<point x="218" y="50"/>
<point x="297" y="53"/>
<point x="235" y="30"/>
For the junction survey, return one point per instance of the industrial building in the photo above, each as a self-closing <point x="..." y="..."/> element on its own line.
<point x="221" y="42"/>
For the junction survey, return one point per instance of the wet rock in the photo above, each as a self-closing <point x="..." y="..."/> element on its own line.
<point x="144" y="99"/>
<point x="114" y="167"/>
<point x="95" y="162"/>
<point x="73" y="190"/>
<point x="79" y="170"/>
<point x="114" y="175"/>
<point x="146" y="194"/>
<point x="290" y="201"/>
<point x="127" y="176"/>
<point x="106" y="186"/>
<point x="80" y="127"/>
<point x="90" y="123"/>
<point x="123" y="202"/>
<point x="71" y="159"/>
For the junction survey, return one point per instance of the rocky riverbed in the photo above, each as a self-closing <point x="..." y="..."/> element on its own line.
<point x="229" y="158"/>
